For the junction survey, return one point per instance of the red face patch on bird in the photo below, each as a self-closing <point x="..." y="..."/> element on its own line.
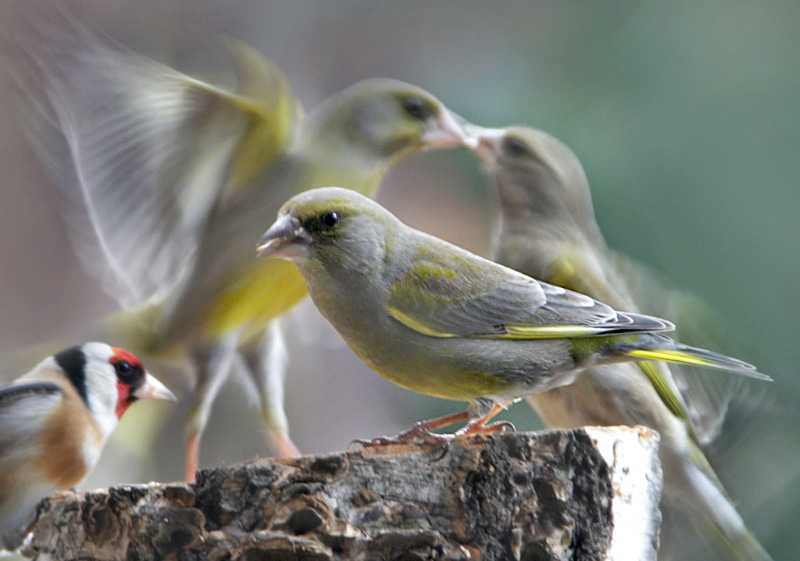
<point x="130" y="376"/>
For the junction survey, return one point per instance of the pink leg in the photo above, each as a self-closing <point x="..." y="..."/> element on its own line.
<point x="420" y="431"/>
<point x="479" y="426"/>
<point x="192" y="456"/>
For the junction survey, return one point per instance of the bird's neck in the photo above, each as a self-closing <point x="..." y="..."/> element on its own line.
<point x="335" y="165"/>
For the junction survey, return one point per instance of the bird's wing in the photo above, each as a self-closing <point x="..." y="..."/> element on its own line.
<point x="451" y="293"/>
<point x="23" y="409"/>
<point x="141" y="151"/>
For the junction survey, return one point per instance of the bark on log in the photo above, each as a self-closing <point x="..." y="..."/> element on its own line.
<point x="586" y="494"/>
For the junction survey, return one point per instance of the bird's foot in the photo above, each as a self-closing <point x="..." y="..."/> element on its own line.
<point x="419" y="433"/>
<point x="476" y="427"/>
<point x="282" y="445"/>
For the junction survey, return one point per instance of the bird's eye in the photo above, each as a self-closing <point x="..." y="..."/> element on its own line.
<point x="329" y="220"/>
<point x="417" y="108"/>
<point x="515" y="147"/>
<point x="124" y="369"/>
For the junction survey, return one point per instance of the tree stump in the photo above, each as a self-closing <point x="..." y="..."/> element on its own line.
<point x="585" y="494"/>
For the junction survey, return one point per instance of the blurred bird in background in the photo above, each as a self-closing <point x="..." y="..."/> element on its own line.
<point x="439" y="320"/>
<point x="167" y="180"/>
<point x="547" y="229"/>
<point x="54" y="423"/>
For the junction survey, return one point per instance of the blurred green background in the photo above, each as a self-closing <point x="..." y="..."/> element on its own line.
<point x="686" y="117"/>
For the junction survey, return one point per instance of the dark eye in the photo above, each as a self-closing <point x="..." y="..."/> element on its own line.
<point x="515" y="147"/>
<point x="124" y="370"/>
<point x="329" y="220"/>
<point x="417" y="108"/>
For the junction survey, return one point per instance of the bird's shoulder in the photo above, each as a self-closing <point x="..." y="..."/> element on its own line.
<point x="24" y="410"/>
<point x="444" y="273"/>
<point x="13" y="394"/>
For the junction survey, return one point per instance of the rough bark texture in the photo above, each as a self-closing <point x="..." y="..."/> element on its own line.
<point x="541" y="496"/>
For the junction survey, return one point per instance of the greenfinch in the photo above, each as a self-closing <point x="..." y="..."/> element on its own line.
<point x="547" y="229"/>
<point x="167" y="177"/>
<point x="439" y="320"/>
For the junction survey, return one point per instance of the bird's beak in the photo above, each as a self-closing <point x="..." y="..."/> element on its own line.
<point x="445" y="131"/>
<point x="485" y="142"/>
<point x="285" y="238"/>
<point x="153" y="389"/>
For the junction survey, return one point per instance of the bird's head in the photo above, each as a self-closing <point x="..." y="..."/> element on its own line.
<point x="383" y="120"/>
<point x="533" y="171"/>
<point x="331" y="226"/>
<point x="109" y="380"/>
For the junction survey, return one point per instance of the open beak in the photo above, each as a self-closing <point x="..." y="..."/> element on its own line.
<point x="286" y="238"/>
<point x="446" y="131"/>
<point x="153" y="389"/>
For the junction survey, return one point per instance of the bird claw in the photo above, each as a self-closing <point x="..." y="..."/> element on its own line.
<point x="421" y="433"/>
<point x="498" y="426"/>
<point x="418" y="433"/>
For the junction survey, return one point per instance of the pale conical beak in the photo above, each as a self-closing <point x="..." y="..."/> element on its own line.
<point x="153" y="389"/>
<point x="446" y="131"/>
<point x="286" y="238"/>
<point x="486" y="143"/>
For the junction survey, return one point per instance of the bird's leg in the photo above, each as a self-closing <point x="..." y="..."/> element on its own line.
<point x="266" y="361"/>
<point x="420" y="431"/>
<point x="283" y="445"/>
<point x="212" y="365"/>
<point x="192" y="455"/>
<point x="480" y="426"/>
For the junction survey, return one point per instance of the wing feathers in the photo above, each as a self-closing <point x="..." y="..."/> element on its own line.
<point x="441" y="296"/>
<point x="141" y="151"/>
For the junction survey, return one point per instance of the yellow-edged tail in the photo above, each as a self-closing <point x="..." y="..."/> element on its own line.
<point x="669" y="351"/>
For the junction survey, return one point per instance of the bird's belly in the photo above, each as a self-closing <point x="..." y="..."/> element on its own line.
<point x="266" y="290"/>
<point x="468" y="369"/>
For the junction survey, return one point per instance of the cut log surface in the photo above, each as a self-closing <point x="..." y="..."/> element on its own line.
<point x="584" y="494"/>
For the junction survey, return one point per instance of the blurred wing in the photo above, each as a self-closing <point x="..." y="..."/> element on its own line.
<point x="454" y="294"/>
<point x="23" y="409"/>
<point x="707" y="398"/>
<point x="142" y="152"/>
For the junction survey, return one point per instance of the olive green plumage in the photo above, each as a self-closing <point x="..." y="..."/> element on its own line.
<point x="439" y="320"/>
<point x="547" y="229"/>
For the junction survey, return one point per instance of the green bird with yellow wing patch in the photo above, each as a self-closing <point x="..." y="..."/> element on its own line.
<point x="167" y="178"/>
<point x="439" y="320"/>
<point x="547" y="229"/>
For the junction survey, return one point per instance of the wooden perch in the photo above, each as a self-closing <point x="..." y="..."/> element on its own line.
<point x="586" y="494"/>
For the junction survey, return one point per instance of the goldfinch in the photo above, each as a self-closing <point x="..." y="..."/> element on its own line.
<point x="55" y="421"/>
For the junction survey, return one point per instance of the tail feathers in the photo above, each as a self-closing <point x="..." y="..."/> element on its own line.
<point x="746" y="548"/>
<point x="724" y="531"/>
<point x="658" y="347"/>
<point x="726" y="536"/>
<point x="727" y="529"/>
